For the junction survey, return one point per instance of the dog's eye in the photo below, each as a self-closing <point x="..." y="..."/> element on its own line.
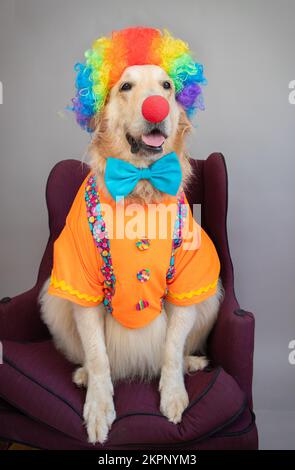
<point x="166" y="85"/>
<point x="126" y="86"/>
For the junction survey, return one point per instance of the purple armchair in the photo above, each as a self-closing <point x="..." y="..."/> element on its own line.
<point x="39" y="404"/>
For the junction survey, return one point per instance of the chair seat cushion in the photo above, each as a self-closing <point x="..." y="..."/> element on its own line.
<point x="16" y="427"/>
<point x="37" y="380"/>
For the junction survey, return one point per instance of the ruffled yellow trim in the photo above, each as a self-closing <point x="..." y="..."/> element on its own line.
<point x="192" y="293"/>
<point x="67" y="288"/>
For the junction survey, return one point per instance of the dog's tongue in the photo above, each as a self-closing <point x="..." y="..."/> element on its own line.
<point x="154" y="140"/>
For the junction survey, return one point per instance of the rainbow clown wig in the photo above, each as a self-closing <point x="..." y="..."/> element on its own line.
<point x="110" y="56"/>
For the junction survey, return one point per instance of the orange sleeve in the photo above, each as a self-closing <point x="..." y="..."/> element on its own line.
<point x="197" y="266"/>
<point x="76" y="274"/>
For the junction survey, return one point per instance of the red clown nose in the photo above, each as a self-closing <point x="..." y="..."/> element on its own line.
<point x="155" y="108"/>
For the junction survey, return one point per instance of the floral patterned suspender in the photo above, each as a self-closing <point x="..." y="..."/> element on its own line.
<point x="100" y="235"/>
<point x="177" y="235"/>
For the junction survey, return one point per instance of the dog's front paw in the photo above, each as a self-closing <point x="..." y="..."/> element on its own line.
<point x="99" y="412"/>
<point x="174" y="400"/>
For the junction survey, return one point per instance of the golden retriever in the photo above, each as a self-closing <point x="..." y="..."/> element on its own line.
<point x="104" y="349"/>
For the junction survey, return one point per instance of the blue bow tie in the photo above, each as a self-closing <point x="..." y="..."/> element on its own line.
<point x="164" y="174"/>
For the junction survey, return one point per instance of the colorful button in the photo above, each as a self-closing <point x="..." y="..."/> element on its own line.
<point x="143" y="275"/>
<point x="143" y="244"/>
<point x="142" y="304"/>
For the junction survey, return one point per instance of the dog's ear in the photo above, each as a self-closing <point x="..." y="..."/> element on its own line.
<point x="102" y="140"/>
<point x="183" y="129"/>
<point x="184" y="124"/>
<point x="98" y="122"/>
<point x="99" y="125"/>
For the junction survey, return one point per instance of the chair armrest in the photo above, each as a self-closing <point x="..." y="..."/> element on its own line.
<point x="20" y="317"/>
<point x="231" y="343"/>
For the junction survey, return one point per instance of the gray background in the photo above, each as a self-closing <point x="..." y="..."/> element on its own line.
<point x="248" y="50"/>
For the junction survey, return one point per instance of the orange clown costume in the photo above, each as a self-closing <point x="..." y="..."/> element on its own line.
<point x="96" y="260"/>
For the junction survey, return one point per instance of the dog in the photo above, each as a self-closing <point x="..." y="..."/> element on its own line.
<point x="104" y="349"/>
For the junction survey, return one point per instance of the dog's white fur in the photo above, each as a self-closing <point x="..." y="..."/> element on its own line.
<point x="105" y="350"/>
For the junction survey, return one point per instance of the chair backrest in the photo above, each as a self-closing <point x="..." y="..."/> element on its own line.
<point x="207" y="187"/>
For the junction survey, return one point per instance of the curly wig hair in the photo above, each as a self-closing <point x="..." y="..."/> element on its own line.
<point x="110" y="56"/>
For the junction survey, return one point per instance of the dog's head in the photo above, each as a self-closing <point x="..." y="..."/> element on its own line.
<point x="136" y="94"/>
